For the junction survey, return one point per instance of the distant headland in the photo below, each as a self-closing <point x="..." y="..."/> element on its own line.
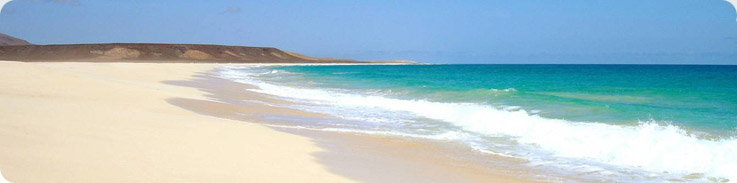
<point x="15" y="49"/>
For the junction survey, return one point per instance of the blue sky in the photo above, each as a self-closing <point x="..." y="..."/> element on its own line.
<point x="495" y="31"/>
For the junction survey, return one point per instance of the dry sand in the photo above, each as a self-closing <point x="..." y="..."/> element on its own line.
<point x="148" y="122"/>
<point x="85" y="122"/>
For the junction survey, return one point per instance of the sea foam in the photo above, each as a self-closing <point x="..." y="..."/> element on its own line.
<point x="651" y="146"/>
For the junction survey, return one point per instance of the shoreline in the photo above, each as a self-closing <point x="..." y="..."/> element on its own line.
<point x="132" y="122"/>
<point x="423" y="103"/>
<point x="357" y="156"/>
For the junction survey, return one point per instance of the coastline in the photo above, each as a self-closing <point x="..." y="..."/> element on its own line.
<point x="360" y="157"/>
<point x="132" y="122"/>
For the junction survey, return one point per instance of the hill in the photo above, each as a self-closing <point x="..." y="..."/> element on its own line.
<point x="6" y="40"/>
<point x="145" y="52"/>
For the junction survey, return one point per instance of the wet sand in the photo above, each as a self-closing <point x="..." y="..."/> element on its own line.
<point x="173" y="122"/>
<point x="364" y="158"/>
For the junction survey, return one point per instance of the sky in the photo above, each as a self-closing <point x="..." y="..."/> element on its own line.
<point x="493" y="31"/>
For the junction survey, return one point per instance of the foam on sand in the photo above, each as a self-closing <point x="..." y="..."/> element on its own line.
<point x="652" y="146"/>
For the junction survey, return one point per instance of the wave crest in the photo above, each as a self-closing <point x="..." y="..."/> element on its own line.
<point x="650" y="145"/>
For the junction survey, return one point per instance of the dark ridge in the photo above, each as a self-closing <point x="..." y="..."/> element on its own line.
<point x="146" y="52"/>
<point x="6" y="40"/>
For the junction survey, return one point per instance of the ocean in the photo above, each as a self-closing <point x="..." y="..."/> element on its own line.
<point x="610" y="123"/>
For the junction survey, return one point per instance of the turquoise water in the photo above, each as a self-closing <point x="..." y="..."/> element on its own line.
<point x="663" y="122"/>
<point x="699" y="97"/>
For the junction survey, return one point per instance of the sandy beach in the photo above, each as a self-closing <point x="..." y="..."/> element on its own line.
<point x="149" y="122"/>
<point x="368" y="91"/>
